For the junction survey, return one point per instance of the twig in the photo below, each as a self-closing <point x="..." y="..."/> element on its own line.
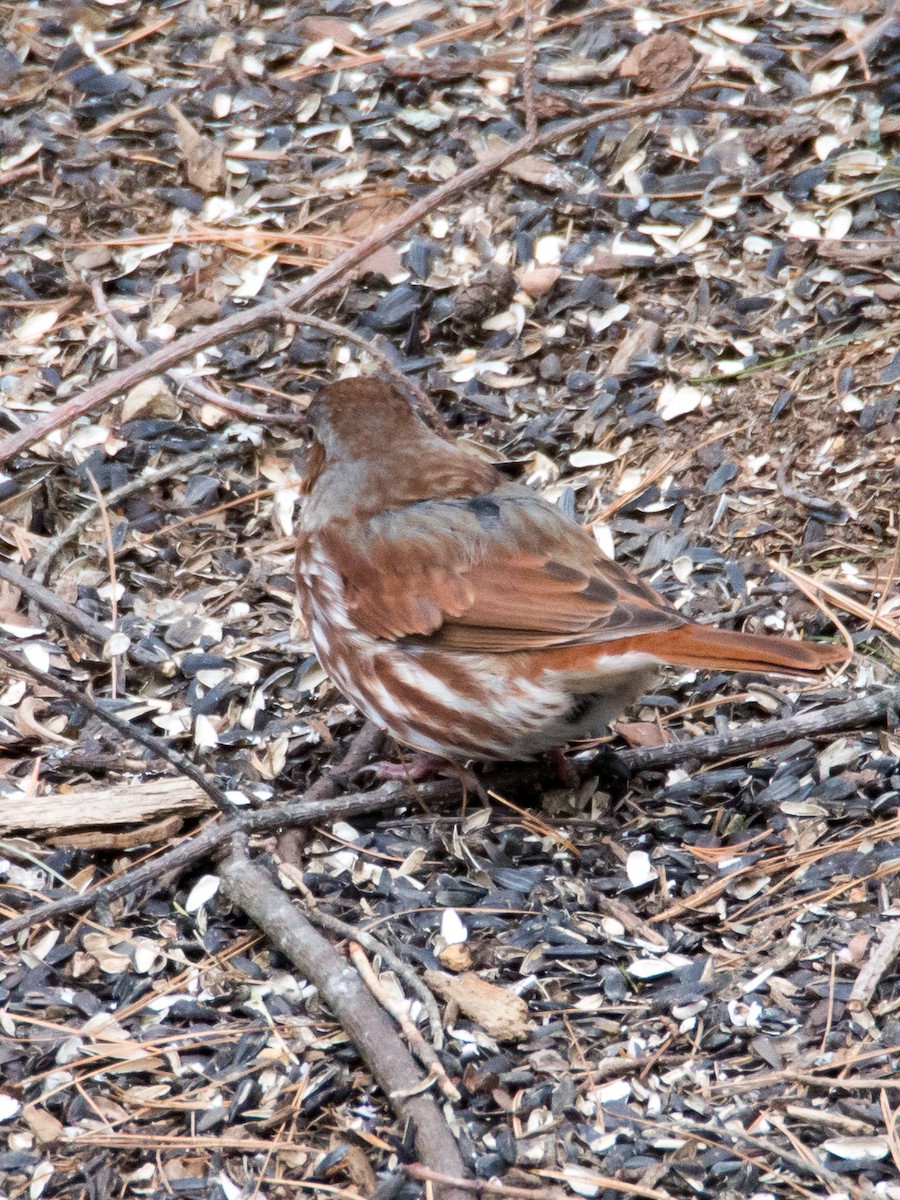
<point x="531" y="122"/>
<point x="146" y="480"/>
<point x="891" y="1117"/>
<point x="308" y="810"/>
<point x="97" y="631"/>
<point x="797" y="1161"/>
<point x="330" y="278"/>
<point x="114" y="656"/>
<point x="889" y="625"/>
<point x="714" y="1134"/>
<point x="874" y="967"/>
<point x="225" y="506"/>
<point x="374" y="58"/>
<point x="829" y="1018"/>
<point x="828" y="1118"/>
<point x="669" y="462"/>
<point x="857" y="46"/>
<point x="207" y="395"/>
<point x="744" y="742"/>
<point x="17" y="173"/>
<point x="195" y="387"/>
<point x="404" y="972"/>
<point x="888" y="584"/>
<point x="882" y="871"/>
<point x="366" y="1024"/>
<point x="425" y="1053"/>
<point x="846" y="1083"/>
<point x="426" y="404"/>
<point x="608" y="1181"/>
<point x="806" y="585"/>
<point x="827" y="344"/>
<point x="178" y="760"/>
<point x="496" y="1187"/>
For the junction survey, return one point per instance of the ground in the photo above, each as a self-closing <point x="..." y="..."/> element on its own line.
<point x="680" y="323"/>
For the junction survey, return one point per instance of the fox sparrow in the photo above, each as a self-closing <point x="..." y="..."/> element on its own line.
<point x="465" y="614"/>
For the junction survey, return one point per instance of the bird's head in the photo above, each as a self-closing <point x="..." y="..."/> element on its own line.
<point x="372" y="447"/>
<point x="362" y="418"/>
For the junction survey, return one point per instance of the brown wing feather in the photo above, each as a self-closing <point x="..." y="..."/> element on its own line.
<point x="503" y="572"/>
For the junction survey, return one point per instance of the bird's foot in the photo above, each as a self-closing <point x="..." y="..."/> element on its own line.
<point x="614" y="774"/>
<point x="412" y="770"/>
<point x="425" y="766"/>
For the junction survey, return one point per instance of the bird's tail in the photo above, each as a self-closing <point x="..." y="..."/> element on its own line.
<point x="722" y="649"/>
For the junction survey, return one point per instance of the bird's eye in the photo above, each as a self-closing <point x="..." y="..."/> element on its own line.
<point x="314" y="412"/>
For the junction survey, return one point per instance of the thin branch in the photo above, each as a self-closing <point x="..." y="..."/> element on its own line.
<point x="425" y="1053"/>
<point x="376" y="947"/>
<point x="97" y="631"/>
<point x="116" y="679"/>
<point x="305" y="811"/>
<point x="310" y="808"/>
<point x="364" y="1021"/>
<point x="162" y="749"/>
<point x="743" y="742"/>
<point x="145" y="480"/>
<point x="804" y="1166"/>
<point x="195" y="387"/>
<point x="531" y="122"/>
<point x="332" y="277"/>
<point x="424" y="401"/>
<point x="496" y="1187"/>
<point x="809" y="586"/>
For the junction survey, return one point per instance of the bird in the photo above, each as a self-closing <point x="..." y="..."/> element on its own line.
<point x="466" y="615"/>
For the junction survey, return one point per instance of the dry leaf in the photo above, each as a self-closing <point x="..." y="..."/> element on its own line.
<point x="42" y="1124"/>
<point x="658" y="61"/>
<point x="641" y="733"/>
<point x="498" y="1012"/>
<point x="203" y="158"/>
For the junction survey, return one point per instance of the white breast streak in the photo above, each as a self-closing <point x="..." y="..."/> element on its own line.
<point x="607" y="670"/>
<point x="415" y="676"/>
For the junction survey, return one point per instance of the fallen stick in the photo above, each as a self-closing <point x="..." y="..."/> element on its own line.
<point x="351" y="933"/>
<point x="313" y="807"/>
<point x="160" y="748"/>
<point x="302" y="812"/>
<point x="130" y="802"/>
<point x="331" y="277"/>
<point x="95" y="630"/>
<point x="362" y="1019"/>
<point x="424" y="1051"/>
<point x="318" y="804"/>
<point x="201" y="391"/>
<point x="743" y="742"/>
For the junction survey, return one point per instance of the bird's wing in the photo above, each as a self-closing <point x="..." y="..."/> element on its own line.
<point x="499" y="572"/>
